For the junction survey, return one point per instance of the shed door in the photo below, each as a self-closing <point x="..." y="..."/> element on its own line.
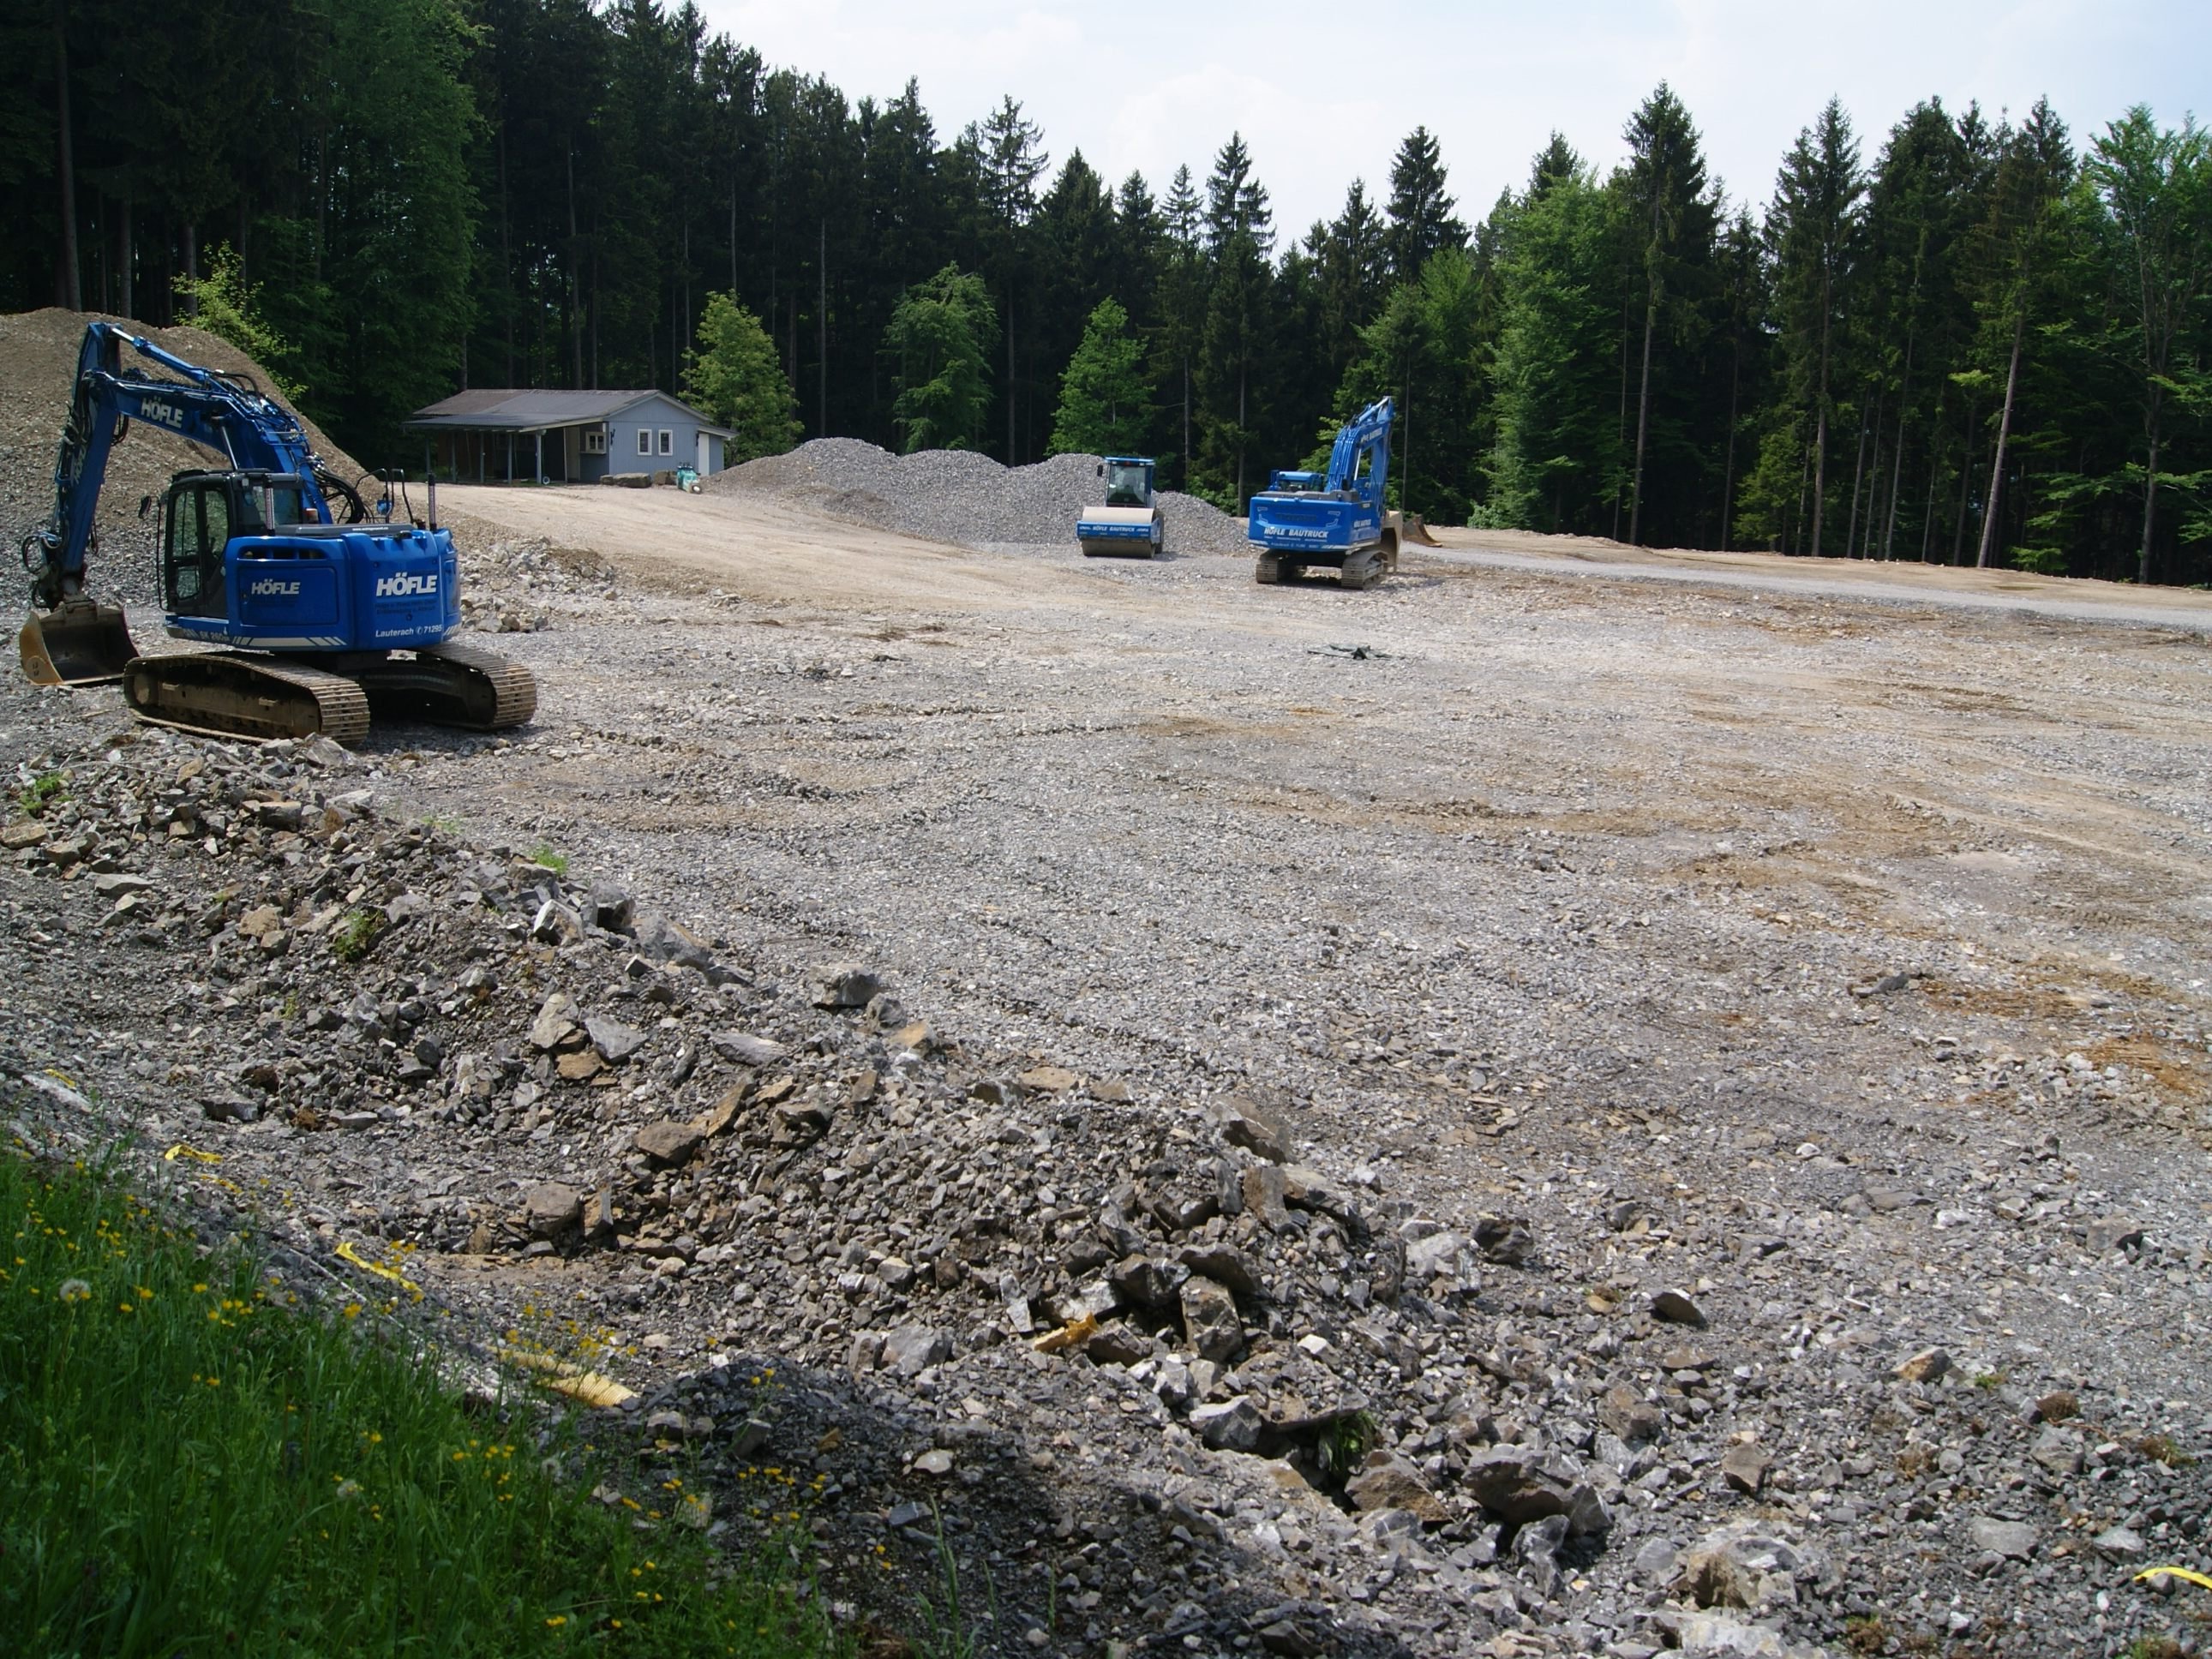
<point x="706" y="454"/>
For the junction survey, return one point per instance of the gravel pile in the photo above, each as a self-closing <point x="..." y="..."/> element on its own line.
<point x="38" y="367"/>
<point x="961" y="497"/>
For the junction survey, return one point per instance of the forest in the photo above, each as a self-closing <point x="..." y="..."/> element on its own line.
<point x="1965" y="339"/>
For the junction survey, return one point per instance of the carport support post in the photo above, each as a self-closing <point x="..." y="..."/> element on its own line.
<point x="541" y="457"/>
<point x="480" y="448"/>
<point x="510" y="458"/>
<point x="426" y="468"/>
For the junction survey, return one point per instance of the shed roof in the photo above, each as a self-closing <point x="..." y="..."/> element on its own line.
<point x="520" y="409"/>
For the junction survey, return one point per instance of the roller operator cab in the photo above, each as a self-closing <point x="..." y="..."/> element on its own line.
<point x="242" y="566"/>
<point x="1129" y="523"/>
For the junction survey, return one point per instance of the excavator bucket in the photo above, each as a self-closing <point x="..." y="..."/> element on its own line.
<point x="1416" y="530"/>
<point x="81" y="642"/>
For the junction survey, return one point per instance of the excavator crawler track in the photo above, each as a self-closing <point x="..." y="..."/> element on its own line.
<point x="452" y="685"/>
<point x="229" y="694"/>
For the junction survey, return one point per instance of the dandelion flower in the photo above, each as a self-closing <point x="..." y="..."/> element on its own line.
<point x="74" y="1290"/>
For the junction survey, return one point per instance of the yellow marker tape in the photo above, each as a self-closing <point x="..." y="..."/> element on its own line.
<point x="2196" y="1578"/>
<point x="579" y="1384"/>
<point x="61" y="1076"/>
<point x="346" y="1252"/>
<point x="193" y="1152"/>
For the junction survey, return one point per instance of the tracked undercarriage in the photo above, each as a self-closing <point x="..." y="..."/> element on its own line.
<point x="242" y="695"/>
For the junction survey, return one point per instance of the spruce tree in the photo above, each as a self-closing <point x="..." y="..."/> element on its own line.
<point x="1105" y="400"/>
<point x="733" y="377"/>
<point x="1420" y="213"/>
<point x="940" y="335"/>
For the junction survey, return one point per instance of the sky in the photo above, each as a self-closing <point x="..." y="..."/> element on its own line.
<point x="1322" y="94"/>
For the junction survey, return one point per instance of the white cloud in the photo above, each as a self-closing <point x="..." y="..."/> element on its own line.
<point x="1322" y="94"/>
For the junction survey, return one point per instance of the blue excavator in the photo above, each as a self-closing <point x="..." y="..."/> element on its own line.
<point x="306" y="618"/>
<point x="1337" y="518"/>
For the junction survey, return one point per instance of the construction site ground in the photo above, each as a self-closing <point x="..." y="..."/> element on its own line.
<point x="1824" y="943"/>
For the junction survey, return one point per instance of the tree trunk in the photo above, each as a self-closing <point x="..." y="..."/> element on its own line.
<point x="822" y="304"/>
<point x="67" y="292"/>
<point x="1897" y="456"/>
<point x="1643" y="384"/>
<point x="2004" y="433"/>
<point x="507" y="254"/>
<point x="2150" y="494"/>
<point x="1858" y="481"/>
<point x="130" y="303"/>
<point x="575" y="333"/>
<point x="1728" y="477"/>
<point x="1966" y="485"/>
<point x="1821" y="435"/>
<point x="1241" y="503"/>
<point x="1010" y="374"/>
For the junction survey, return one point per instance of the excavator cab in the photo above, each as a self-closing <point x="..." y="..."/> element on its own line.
<point x="201" y="513"/>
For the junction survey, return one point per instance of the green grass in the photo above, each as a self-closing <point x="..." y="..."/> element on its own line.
<point x="354" y="935"/>
<point x="556" y="862"/>
<point x="189" y="1464"/>
<point x="46" y="787"/>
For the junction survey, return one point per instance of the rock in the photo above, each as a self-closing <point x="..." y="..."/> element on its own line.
<point x="1744" y="1467"/>
<point x="1440" y="1256"/>
<point x="1752" y="1565"/>
<point x="745" y="1049"/>
<point x="1224" y="1264"/>
<point x="668" y="1142"/>
<point x="115" y="886"/>
<point x="1720" y="1633"/>
<point x="556" y="1023"/>
<point x="1520" y="1485"/>
<point x="1505" y="1240"/>
<point x="2059" y="1450"/>
<point x="1676" y="1308"/>
<point x="843" y="985"/>
<point x="907" y="1514"/>
<point x="1239" y="1121"/>
<point x="1388" y="1481"/>
<point x="1228" y="1425"/>
<point x="1655" y="1559"/>
<point x="261" y="922"/>
<point x="1210" y="1319"/>
<point x="937" y="1462"/>
<point x="913" y="1349"/>
<point x="1265" y="1196"/>
<point x="230" y="1109"/>
<point x="2112" y="1233"/>
<point x="1049" y="1079"/>
<point x="1926" y="1366"/>
<point x="615" y="1040"/>
<point x="1118" y="1345"/>
<point x="556" y="924"/>
<point x="1621" y="1411"/>
<point x="2121" y="1544"/>
<point x="550" y="1208"/>
<point x="612" y="907"/>
<point x="403" y="908"/>
<point x="580" y="1065"/>
<point x="1146" y="1283"/>
<point x="1301" y="1630"/>
<point x="2014" y="1540"/>
<point x="662" y="940"/>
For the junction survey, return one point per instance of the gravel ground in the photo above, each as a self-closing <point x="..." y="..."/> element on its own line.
<point x="958" y="497"/>
<point x="1699" y="1095"/>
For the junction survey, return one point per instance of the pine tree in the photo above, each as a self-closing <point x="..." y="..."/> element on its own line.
<point x="1181" y="307"/>
<point x="1104" y="398"/>
<point x="2157" y="187"/>
<point x="733" y="377"/>
<point x="941" y="334"/>
<point x="1420" y="213"/>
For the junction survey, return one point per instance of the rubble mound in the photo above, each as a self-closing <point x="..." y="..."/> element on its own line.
<point x="38" y="365"/>
<point x="959" y="496"/>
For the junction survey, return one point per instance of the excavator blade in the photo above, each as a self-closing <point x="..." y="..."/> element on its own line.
<point x="81" y="642"/>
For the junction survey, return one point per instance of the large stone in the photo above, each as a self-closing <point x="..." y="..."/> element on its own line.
<point x="1148" y="1282"/>
<point x="1521" y="1485"/>
<point x="1926" y="1366"/>
<point x="1744" y="1467"/>
<point x="2014" y="1540"/>
<point x="1229" y="1425"/>
<point x="615" y="1040"/>
<point x="843" y="985"/>
<point x="1752" y="1564"/>
<point x="1505" y="1240"/>
<point x="1239" y="1121"/>
<point x="1210" y="1318"/>
<point x="1224" y="1264"/>
<point x="556" y="924"/>
<point x="1440" y="1255"/>
<point x="668" y="1142"/>
<point x="556" y="1023"/>
<point x="1266" y="1196"/>
<point x="745" y="1049"/>
<point x="663" y="940"/>
<point x="552" y="1207"/>
<point x="1676" y="1308"/>
<point x="1388" y="1481"/>
<point x="2059" y="1450"/>
<point x="1621" y="1411"/>
<point x="913" y="1349"/>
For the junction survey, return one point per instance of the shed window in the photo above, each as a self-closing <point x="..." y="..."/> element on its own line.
<point x="595" y="443"/>
<point x="667" y="441"/>
<point x="644" y="441"/>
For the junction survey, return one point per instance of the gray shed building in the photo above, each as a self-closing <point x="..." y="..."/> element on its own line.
<point x="575" y="437"/>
